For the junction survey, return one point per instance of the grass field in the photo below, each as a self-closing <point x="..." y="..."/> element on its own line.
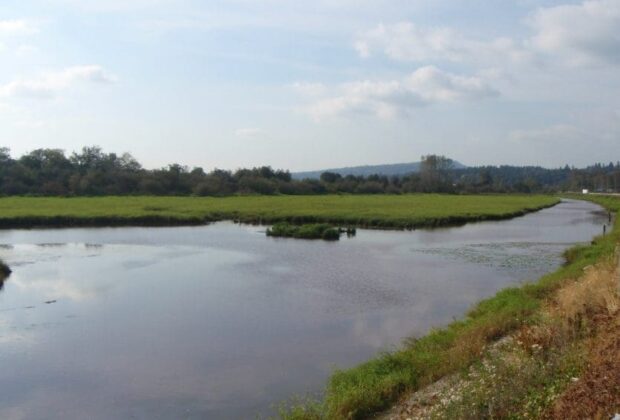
<point x="370" y="387"/>
<point x="387" y="211"/>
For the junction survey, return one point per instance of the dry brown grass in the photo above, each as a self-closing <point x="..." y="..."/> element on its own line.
<point x="597" y="393"/>
<point x="577" y="310"/>
<point x="596" y="293"/>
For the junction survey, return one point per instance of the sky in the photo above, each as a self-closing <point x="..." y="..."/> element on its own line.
<point x="307" y="85"/>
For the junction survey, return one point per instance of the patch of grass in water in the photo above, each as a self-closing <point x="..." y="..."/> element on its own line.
<point x="308" y="231"/>
<point x="5" y="271"/>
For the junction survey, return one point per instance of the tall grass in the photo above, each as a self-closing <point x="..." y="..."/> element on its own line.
<point x="375" y="385"/>
<point x="382" y="211"/>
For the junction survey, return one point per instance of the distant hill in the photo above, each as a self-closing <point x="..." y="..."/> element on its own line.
<point x="389" y="170"/>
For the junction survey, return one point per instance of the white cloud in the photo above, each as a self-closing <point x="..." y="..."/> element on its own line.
<point x="49" y="84"/>
<point x="434" y="85"/>
<point x="17" y="27"/>
<point x="388" y="99"/>
<point x="559" y="133"/>
<point x="309" y="88"/>
<point x="584" y="33"/>
<point x="405" y="41"/>
<point x="248" y="132"/>
<point x="26" y="50"/>
<point x="408" y="42"/>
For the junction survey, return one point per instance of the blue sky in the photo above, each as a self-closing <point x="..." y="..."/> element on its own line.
<point x="308" y="85"/>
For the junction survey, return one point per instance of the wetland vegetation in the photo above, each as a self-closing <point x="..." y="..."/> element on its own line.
<point x="5" y="271"/>
<point x="404" y="211"/>
<point x="323" y="231"/>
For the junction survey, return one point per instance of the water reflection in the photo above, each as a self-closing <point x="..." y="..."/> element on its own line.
<point x="222" y="322"/>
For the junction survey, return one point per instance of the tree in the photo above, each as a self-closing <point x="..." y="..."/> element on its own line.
<point x="433" y="172"/>
<point x="330" y="177"/>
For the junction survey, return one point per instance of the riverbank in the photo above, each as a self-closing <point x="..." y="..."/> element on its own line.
<point x="408" y="211"/>
<point x="563" y="365"/>
<point x="376" y="385"/>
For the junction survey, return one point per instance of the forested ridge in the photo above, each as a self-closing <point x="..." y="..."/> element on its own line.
<point x="92" y="172"/>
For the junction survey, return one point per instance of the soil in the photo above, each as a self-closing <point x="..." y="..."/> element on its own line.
<point x="596" y="395"/>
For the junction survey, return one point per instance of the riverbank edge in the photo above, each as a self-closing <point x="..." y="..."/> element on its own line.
<point x="374" y="386"/>
<point x="59" y="221"/>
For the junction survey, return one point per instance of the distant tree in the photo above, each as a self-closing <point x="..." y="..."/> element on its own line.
<point x="330" y="177"/>
<point x="370" y="187"/>
<point x="91" y="171"/>
<point x="433" y="172"/>
<point x="486" y="179"/>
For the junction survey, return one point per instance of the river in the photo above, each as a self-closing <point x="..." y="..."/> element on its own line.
<point x="221" y="322"/>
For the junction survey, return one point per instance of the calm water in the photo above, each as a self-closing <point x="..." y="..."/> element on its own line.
<point x="222" y="322"/>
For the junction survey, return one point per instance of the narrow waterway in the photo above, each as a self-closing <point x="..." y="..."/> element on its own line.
<point x="221" y="321"/>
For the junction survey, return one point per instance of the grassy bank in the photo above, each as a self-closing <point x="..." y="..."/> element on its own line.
<point x="381" y="211"/>
<point x="375" y="385"/>
<point x="563" y="365"/>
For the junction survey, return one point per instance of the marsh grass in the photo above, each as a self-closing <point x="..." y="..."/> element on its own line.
<point x="405" y="211"/>
<point x="375" y="385"/>
<point x="5" y="272"/>
<point x="323" y="231"/>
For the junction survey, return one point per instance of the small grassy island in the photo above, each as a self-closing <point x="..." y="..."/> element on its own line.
<point x="323" y="231"/>
<point x="5" y="271"/>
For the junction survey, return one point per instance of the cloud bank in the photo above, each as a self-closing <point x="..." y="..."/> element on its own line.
<point x="387" y="99"/>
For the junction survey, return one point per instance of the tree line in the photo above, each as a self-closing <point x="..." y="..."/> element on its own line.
<point x="92" y="172"/>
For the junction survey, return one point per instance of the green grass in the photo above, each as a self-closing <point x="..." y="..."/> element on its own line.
<point x="375" y="385"/>
<point x="381" y="211"/>
<point x="308" y="231"/>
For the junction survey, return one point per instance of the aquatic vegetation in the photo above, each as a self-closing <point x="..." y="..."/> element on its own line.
<point x="5" y="271"/>
<point x="310" y="231"/>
